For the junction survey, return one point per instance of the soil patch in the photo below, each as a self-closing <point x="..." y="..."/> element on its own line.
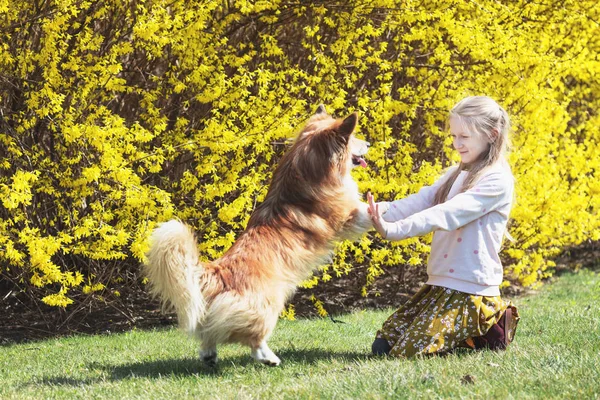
<point x="24" y="319"/>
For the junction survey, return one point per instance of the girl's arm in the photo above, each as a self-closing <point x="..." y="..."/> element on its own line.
<point x="399" y="209"/>
<point x="490" y="193"/>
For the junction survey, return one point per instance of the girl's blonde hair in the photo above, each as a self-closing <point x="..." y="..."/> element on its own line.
<point x="483" y="117"/>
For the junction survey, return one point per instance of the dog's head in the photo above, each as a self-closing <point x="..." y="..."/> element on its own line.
<point x="326" y="148"/>
<point x="316" y="169"/>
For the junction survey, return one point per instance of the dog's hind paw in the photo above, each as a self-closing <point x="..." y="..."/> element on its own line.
<point x="209" y="357"/>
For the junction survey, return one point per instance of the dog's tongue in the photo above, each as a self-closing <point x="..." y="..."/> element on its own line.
<point x="362" y="162"/>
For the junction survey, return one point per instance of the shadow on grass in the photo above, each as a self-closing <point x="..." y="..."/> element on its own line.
<point x="194" y="367"/>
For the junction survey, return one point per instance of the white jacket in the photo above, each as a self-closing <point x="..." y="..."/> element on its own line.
<point x="469" y="228"/>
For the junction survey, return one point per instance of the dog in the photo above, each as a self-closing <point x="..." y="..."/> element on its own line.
<point x="312" y="202"/>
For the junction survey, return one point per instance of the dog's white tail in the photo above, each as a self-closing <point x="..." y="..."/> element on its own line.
<point x="173" y="271"/>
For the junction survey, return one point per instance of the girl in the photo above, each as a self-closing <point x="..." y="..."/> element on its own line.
<point x="468" y="209"/>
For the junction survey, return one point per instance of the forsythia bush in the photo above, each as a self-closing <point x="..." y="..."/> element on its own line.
<point x="119" y="114"/>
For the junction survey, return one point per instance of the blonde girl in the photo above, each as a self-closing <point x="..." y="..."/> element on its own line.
<point x="468" y="210"/>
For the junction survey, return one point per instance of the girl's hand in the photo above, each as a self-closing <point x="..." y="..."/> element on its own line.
<point x="378" y="222"/>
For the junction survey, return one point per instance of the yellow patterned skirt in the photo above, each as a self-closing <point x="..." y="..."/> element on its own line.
<point x="437" y="319"/>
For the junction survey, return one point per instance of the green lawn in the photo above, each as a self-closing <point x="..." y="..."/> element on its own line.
<point x="556" y="354"/>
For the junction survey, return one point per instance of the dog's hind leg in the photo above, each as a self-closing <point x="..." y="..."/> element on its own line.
<point x="265" y="355"/>
<point x="208" y="354"/>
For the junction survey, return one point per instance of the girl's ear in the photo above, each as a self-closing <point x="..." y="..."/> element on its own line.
<point x="495" y="134"/>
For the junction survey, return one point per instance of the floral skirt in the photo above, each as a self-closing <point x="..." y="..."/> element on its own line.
<point x="437" y="319"/>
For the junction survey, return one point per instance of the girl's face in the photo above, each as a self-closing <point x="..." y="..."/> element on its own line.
<point x="470" y="146"/>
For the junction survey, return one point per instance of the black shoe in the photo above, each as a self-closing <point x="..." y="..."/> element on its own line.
<point x="381" y="347"/>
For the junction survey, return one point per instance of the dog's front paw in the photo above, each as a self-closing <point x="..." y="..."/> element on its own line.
<point x="362" y="220"/>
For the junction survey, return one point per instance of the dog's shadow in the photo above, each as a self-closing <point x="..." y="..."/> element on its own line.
<point x="185" y="367"/>
<point x="188" y="367"/>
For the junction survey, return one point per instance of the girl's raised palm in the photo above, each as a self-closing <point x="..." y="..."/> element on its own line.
<point x="378" y="222"/>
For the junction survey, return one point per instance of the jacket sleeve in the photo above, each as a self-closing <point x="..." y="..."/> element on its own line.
<point x="491" y="193"/>
<point x="423" y="199"/>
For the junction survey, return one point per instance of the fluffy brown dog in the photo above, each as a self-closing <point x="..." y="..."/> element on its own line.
<point x="312" y="203"/>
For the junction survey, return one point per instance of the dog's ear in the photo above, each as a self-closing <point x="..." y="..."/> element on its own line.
<point x="321" y="109"/>
<point x="348" y="125"/>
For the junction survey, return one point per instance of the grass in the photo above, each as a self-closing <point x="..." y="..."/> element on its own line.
<point x="556" y="355"/>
